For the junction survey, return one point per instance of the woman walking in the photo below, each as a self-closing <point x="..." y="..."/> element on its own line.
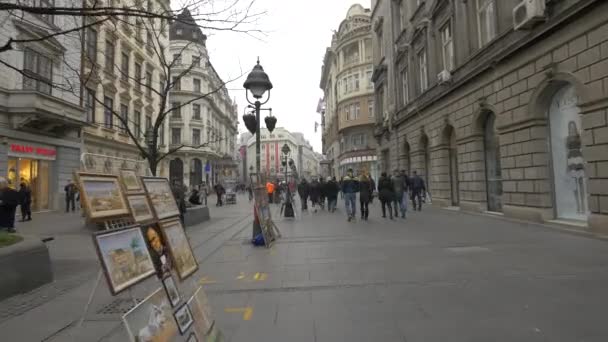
<point x="365" y="195"/>
<point x="387" y="193"/>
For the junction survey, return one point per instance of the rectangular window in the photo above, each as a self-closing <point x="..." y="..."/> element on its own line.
<point x="124" y="116"/>
<point x="148" y="121"/>
<point x="196" y="111"/>
<point x="38" y="72"/>
<point x="161" y="134"/>
<point x="176" y="136"/>
<point x="137" y="123"/>
<point x="405" y="94"/>
<point x="110" y="51"/>
<point x="345" y="85"/>
<point x="347" y="113"/>
<point x="196" y="137"/>
<point x="380" y="43"/>
<point x="176" y="110"/>
<point x="370" y="83"/>
<point x="137" y="76"/>
<point x="108" y="105"/>
<point x="177" y="59"/>
<point x="92" y="45"/>
<point x="124" y="66"/>
<point x="370" y="108"/>
<point x="422" y="68"/>
<point x="356" y="111"/>
<point x="447" y="47"/>
<point x="196" y="61"/>
<point x="149" y="83"/>
<point x="90" y="105"/>
<point x="46" y="4"/>
<point x="149" y="40"/>
<point x="197" y="85"/>
<point x="486" y="21"/>
<point x="356" y="81"/>
<point x="177" y="83"/>
<point x="139" y="26"/>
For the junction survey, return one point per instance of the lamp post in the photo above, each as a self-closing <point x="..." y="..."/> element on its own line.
<point x="258" y="84"/>
<point x="288" y="211"/>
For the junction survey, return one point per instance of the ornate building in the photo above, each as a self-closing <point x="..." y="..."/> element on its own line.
<point x="348" y="114"/>
<point x="500" y="105"/>
<point x="123" y="73"/>
<point x="206" y="123"/>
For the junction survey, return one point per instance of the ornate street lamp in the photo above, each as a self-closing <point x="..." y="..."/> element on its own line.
<point x="288" y="210"/>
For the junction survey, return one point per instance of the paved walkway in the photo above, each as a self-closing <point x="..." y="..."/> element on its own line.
<point x="437" y="276"/>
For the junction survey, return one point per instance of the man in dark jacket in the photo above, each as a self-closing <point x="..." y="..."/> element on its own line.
<point x="179" y="193"/>
<point x="303" y="190"/>
<point x="418" y="190"/>
<point x="70" y="196"/>
<point x="350" y="187"/>
<point x="332" y="193"/>
<point x="322" y="184"/>
<point x="315" y="193"/>
<point x="25" y="197"/>
<point x="386" y="194"/>
<point x="9" y="199"/>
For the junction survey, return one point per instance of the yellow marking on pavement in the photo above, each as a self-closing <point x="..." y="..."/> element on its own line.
<point x="257" y="276"/>
<point x="247" y="312"/>
<point x="206" y="280"/>
<point x="241" y="276"/>
<point x="263" y="276"/>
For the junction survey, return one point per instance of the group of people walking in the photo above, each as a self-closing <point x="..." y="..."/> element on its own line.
<point x="394" y="192"/>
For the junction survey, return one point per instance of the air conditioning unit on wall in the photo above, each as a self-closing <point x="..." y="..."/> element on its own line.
<point x="444" y="76"/>
<point x="528" y="13"/>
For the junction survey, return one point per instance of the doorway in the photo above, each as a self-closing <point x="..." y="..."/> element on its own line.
<point x="493" y="169"/>
<point x="569" y="178"/>
<point x="453" y="160"/>
<point x="35" y="174"/>
<point x="176" y="171"/>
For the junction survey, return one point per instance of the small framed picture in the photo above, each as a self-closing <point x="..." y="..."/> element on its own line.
<point x="171" y="289"/>
<point x="183" y="317"/>
<point x="192" y="338"/>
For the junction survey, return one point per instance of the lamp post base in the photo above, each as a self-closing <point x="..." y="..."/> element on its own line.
<point x="257" y="228"/>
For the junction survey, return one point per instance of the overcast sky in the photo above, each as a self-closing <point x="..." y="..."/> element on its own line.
<point x="297" y="34"/>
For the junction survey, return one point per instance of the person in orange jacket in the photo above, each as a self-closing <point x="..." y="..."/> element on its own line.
<point x="270" y="191"/>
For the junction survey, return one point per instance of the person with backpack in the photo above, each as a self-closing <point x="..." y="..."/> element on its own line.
<point x="386" y="194"/>
<point x="350" y="187"/>
<point x="365" y="195"/>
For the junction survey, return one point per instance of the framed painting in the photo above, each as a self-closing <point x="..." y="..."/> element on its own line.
<point x="183" y="317"/>
<point x="201" y="312"/>
<point x="161" y="197"/>
<point x="124" y="257"/>
<point x="140" y="208"/>
<point x="101" y="195"/>
<point x="151" y="320"/>
<point x="179" y="247"/>
<point x="158" y="249"/>
<point x="171" y="289"/>
<point x="130" y="182"/>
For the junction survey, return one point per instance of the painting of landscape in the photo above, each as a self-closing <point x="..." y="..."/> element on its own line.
<point x="140" y="208"/>
<point x="161" y="197"/>
<point x="101" y="195"/>
<point x="179" y="247"/>
<point x="152" y="320"/>
<point x="124" y="256"/>
<point x="131" y="182"/>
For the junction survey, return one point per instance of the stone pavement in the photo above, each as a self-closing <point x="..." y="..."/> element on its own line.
<point x="437" y="276"/>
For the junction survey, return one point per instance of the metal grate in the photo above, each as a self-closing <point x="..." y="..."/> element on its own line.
<point x="119" y="306"/>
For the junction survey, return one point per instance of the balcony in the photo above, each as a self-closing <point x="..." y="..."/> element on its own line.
<point x="34" y="110"/>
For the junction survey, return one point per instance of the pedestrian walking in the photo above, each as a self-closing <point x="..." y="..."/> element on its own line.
<point x="270" y="190"/>
<point x="315" y="194"/>
<point x="250" y="192"/>
<point x="303" y="191"/>
<point x="323" y="186"/>
<point x="386" y="194"/>
<point x="219" y="192"/>
<point x="373" y="187"/>
<point x="350" y="187"/>
<point x="332" y="193"/>
<point x="400" y="186"/>
<point x="365" y="195"/>
<point x="25" y="197"/>
<point x="70" y="196"/>
<point x="418" y="191"/>
<point x="9" y="199"/>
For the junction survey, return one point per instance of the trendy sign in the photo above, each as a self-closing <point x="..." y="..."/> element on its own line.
<point x="32" y="151"/>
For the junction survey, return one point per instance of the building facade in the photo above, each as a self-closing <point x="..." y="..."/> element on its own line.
<point x="499" y="112"/>
<point x="204" y="119"/>
<point x="123" y="74"/>
<point x="305" y="159"/>
<point x="40" y="108"/>
<point x="348" y="111"/>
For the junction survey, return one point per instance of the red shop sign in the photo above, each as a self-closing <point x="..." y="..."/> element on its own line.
<point x="33" y="150"/>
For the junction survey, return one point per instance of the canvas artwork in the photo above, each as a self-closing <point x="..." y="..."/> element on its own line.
<point x="102" y="196"/>
<point x="179" y="247"/>
<point x="152" y="320"/>
<point x="200" y="312"/>
<point x="158" y="249"/>
<point x="140" y="208"/>
<point x="161" y="197"/>
<point x="184" y="319"/>
<point x="131" y="181"/>
<point x="124" y="257"/>
<point x="171" y="289"/>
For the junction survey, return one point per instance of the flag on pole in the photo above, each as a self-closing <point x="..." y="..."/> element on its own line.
<point x="316" y="126"/>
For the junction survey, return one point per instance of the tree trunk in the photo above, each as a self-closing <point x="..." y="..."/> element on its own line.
<point x="153" y="163"/>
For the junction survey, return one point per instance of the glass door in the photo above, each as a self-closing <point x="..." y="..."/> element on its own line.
<point x="35" y="174"/>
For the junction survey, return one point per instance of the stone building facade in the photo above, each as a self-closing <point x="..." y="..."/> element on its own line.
<point x="496" y="118"/>
<point x="348" y="115"/>
<point x="122" y="70"/>
<point x="205" y="119"/>
<point x="41" y="112"/>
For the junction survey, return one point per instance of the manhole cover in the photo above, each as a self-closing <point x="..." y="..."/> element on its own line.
<point x="468" y="249"/>
<point x="119" y="306"/>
